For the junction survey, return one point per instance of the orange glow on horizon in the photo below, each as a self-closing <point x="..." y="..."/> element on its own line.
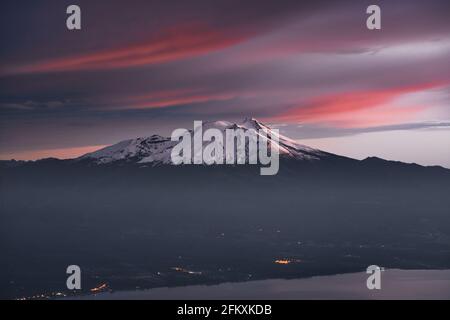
<point x="62" y="153"/>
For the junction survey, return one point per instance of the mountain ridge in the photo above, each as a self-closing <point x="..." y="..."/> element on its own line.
<point x="154" y="150"/>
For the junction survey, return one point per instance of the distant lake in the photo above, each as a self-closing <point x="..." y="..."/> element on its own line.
<point x="395" y="284"/>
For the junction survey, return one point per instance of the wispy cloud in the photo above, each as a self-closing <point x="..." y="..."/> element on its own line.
<point x="359" y="108"/>
<point x="170" y="98"/>
<point x="311" y="131"/>
<point x="33" y="105"/>
<point x="178" y="42"/>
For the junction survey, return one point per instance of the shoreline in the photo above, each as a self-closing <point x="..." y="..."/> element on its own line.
<point x="396" y="284"/>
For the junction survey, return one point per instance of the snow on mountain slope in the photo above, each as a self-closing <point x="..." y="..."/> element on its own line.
<point x="134" y="150"/>
<point x="156" y="149"/>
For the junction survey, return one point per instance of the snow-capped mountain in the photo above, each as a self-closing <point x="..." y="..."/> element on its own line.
<point x="156" y="149"/>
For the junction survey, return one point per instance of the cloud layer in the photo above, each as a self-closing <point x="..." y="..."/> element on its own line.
<point x="151" y="66"/>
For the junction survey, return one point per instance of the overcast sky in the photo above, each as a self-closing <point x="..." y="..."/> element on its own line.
<point x="310" y="68"/>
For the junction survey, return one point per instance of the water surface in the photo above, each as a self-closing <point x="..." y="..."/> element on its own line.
<point x="395" y="284"/>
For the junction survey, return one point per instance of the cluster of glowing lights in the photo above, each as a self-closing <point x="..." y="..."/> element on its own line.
<point x="99" y="288"/>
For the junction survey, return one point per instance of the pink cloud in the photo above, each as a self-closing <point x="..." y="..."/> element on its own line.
<point x="176" y="43"/>
<point x="359" y="108"/>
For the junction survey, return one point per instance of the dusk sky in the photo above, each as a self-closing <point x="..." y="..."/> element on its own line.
<point x="309" y="68"/>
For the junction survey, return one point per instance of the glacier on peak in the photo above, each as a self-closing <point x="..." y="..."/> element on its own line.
<point x="156" y="149"/>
